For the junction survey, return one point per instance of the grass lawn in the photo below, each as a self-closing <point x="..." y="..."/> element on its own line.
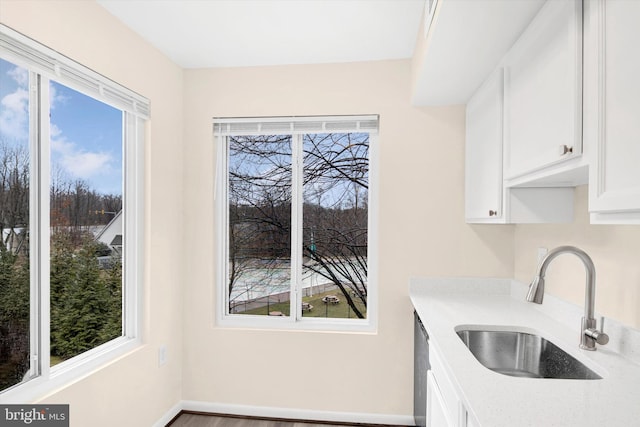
<point x="320" y="309"/>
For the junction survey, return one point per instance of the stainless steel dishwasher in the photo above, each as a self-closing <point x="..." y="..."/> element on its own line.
<point x="420" y="368"/>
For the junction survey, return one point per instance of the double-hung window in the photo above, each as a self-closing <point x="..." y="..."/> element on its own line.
<point x="71" y="144"/>
<point x="297" y="218"/>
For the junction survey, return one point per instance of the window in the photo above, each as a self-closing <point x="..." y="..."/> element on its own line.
<point x="295" y="202"/>
<point x="15" y="208"/>
<point x="70" y="208"/>
<point x="85" y="210"/>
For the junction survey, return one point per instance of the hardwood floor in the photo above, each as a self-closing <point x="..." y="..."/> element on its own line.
<point x="200" y="420"/>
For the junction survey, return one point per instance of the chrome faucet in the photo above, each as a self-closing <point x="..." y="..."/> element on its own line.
<point x="589" y="335"/>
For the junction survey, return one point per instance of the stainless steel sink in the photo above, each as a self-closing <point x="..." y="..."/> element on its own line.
<point x="520" y="354"/>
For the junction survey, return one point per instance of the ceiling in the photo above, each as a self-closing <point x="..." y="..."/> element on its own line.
<point x="231" y="33"/>
<point x="467" y="41"/>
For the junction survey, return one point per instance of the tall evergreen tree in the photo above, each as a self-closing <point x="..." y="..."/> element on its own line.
<point x="113" y="323"/>
<point x="14" y="318"/>
<point x="86" y="302"/>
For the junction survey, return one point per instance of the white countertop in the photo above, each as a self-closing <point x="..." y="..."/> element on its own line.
<point x="497" y="400"/>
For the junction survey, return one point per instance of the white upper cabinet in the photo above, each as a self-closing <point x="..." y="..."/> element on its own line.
<point x="483" y="154"/>
<point x="486" y="198"/>
<point x="612" y="109"/>
<point x="543" y="91"/>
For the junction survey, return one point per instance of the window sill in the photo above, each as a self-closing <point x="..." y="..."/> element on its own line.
<point x="69" y="371"/>
<point x="304" y="324"/>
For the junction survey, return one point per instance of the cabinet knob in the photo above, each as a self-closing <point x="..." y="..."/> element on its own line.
<point x="493" y="213"/>
<point x="565" y="149"/>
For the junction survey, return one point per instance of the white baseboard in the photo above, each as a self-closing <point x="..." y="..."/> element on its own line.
<point x="286" y="413"/>
<point x="169" y="415"/>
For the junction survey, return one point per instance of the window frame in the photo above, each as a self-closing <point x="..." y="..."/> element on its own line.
<point x="45" y="65"/>
<point x="298" y="127"/>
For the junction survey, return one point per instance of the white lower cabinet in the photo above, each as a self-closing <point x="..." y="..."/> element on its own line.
<point x="444" y="406"/>
<point x="470" y="422"/>
<point x="437" y="413"/>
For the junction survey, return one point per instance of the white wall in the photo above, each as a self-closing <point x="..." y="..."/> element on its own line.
<point x="422" y="232"/>
<point x="132" y="391"/>
<point x="615" y="251"/>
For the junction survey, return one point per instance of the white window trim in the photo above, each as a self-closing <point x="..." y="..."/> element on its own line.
<point x="45" y="379"/>
<point x="34" y="56"/>
<point x="296" y="127"/>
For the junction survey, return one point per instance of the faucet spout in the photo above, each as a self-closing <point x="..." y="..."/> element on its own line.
<point x="536" y="290"/>
<point x="590" y="335"/>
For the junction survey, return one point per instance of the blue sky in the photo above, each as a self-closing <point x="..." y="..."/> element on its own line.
<point x="86" y="134"/>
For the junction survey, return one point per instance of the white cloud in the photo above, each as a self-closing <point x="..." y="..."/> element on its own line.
<point x="20" y="75"/>
<point x="14" y="107"/>
<point x="87" y="164"/>
<point x="54" y="131"/>
<point x="56" y="98"/>
<point x="78" y="162"/>
<point x="74" y="161"/>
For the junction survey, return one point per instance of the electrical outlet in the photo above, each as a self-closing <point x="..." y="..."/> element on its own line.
<point x="542" y="252"/>
<point x="162" y="355"/>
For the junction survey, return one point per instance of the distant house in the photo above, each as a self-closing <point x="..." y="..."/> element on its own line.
<point x="14" y="238"/>
<point x="111" y="234"/>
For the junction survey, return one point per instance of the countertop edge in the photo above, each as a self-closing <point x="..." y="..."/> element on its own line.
<point x="442" y="296"/>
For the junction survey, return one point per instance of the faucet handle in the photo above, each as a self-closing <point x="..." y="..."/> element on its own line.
<point x="591" y="335"/>
<point x="599" y="336"/>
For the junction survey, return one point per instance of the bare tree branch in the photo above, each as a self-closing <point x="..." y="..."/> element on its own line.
<point x="335" y="210"/>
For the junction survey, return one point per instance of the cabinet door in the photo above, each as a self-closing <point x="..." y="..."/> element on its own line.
<point x="470" y="421"/>
<point x="612" y="106"/>
<point x="437" y="415"/>
<point x="483" y="152"/>
<point x="543" y="91"/>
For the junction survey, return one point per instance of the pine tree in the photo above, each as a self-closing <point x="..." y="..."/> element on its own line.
<point x="14" y="317"/>
<point x="113" y="282"/>
<point x="62" y="274"/>
<point x="86" y="302"/>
